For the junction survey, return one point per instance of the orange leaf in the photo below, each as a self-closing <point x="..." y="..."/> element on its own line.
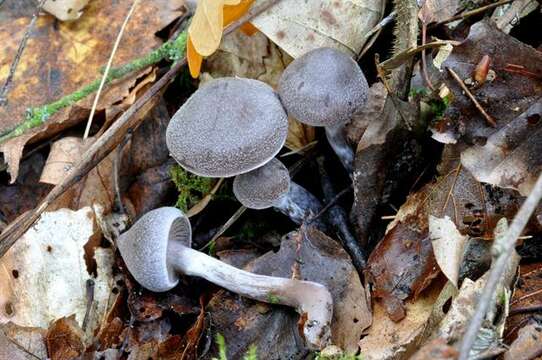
<point x="193" y="58"/>
<point x="248" y="29"/>
<point x="234" y="12"/>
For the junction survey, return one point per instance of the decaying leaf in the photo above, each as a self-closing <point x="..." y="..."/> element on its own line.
<point x="403" y="263"/>
<point x="512" y="92"/>
<point x="51" y="65"/>
<point x="528" y="345"/>
<point x="22" y="343"/>
<point x="398" y="340"/>
<point x="301" y="26"/>
<point x="436" y="349"/>
<point x="65" y="339"/>
<point x="65" y="9"/>
<point x="367" y="115"/>
<point x="45" y="272"/>
<point x="437" y="10"/>
<point x="448" y="246"/>
<point x="274" y="330"/>
<point x="511" y="157"/>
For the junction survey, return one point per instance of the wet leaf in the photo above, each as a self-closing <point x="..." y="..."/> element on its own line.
<point x="51" y="65"/>
<point x="528" y="345"/>
<point x="244" y="322"/>
<point x="512" y="92"/>
<point x="511" y="157"/>
<point x="403" y="262"/>
<point x="298" y="27"/>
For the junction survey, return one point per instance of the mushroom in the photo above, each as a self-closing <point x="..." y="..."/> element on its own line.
<point x="157" y="249"/>
<point x="227" y="127"/>
<point x="270" y="186"/>
<point x="325" y="87"/>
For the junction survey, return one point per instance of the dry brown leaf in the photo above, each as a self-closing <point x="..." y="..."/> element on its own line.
<point x="51" y="65"/>
<point x="387" y="339"/>
<point x="65" y="9"/>
<point x="528" y="345"/>
<point x="300" y="26"/>
<point x="65" y="339"/>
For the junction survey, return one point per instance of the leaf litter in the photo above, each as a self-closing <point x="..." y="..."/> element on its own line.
<point x="66" y="292"/>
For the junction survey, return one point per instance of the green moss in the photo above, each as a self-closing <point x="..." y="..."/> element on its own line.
<point x="251" y="353"/>
<point x="172" y="50"/>
<point x="272" y="298"/>
<point x="191" y="188"/>
<point x="221" y="343"/>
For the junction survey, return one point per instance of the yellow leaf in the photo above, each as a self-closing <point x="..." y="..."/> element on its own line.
<point x="206" y="27"/>
<point x="232" y="13"/>
<point x="193" y="58"/>
<point x="231" y="2"/>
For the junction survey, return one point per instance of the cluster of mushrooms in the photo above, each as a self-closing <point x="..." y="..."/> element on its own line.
<point x="235" y="127"/>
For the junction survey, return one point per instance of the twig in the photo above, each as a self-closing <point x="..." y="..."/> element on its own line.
<point x="375" y="31"/>
<point x="424" y="60"/>
<point x="330" y="204"/>
<point x="467" y="14"/>
<point x="456" y="77"/>
<point x="338" y="219"/>
<point x="236" y="215"/>
<point x="525" y="309"/>
<point x="498" y="268"/>
<point x="22" y="45"/>
<point x="105" y="144"/>
<point x="90" y="284"/>
<point x="108" y="67"/>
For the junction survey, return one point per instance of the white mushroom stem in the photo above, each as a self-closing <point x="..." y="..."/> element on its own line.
<point x="298" y="204"/>
<point x="312" y="300"/>
<point x="337" y="139"/>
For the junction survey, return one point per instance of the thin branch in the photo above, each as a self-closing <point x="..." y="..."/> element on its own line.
<point x="470" y="13"/>
<point x="236" y="215"/>
<point x="456" y="77"/>
<point x="106" y="143"/>
<point x="108" y="68"/>
<point x="508" y="242"/>
<point x="22" y="45"/>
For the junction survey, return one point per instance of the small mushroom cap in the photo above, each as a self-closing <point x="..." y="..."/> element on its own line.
<point x="144" y="247"/>
<point x="324" y="87"/>
<point x="228" y="127"/>
<point x="263" y="187"/>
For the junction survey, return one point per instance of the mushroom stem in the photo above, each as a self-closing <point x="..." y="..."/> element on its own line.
<point x="298" y="204"/>
<point x="337" y="140"/>
<point x="312" y="300"/>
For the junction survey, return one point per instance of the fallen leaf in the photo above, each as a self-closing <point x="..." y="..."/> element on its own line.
<point x="504" y="98"/>
<point x="22" y="343"/>
<point x="403" y="263"/>
<point x="448" y="246"/>
<point x="369" y="114"/>
<point x="244" y="322"/>
<point x="437" y="10"/>
<point x="65" y="339"/>
<point x="528" y="345"/>
<point x="387" y="339"/>
<point x="436" y="349"/>
<point x="511" y="157"/>
<point x="65" y="10"/>
<point x="298" y="27"/>
<point x="45" y="272"/>
<point x="205" y="30"/>
<point x="51" y="64"/>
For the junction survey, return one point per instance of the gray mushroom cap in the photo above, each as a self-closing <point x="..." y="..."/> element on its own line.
<point x="324" y="87"/>
<point x="228" y="127"/>
<point x="144" y="247"/>
<point x="263" y="187"/>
